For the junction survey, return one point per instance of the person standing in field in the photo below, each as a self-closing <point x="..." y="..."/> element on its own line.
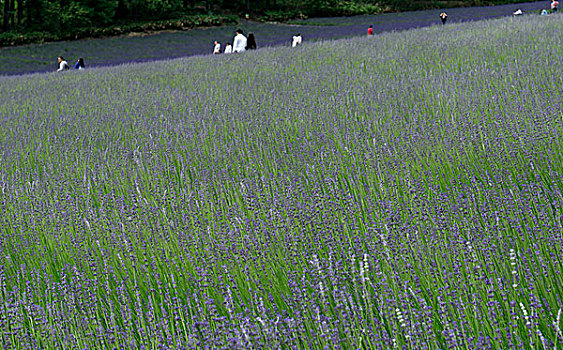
<point x="554" y="5"/>
<point x="251" y="42"/>
<point x="79" y="64"/>
<point x="228" y="48"/>
<point x="217" y="48"/>
<point x="239" y="43"/>
<point x="443" y="17"/>
<point x="63" y="64"/>
<point x="370" y="31"/>
<point x="297" y="40"/>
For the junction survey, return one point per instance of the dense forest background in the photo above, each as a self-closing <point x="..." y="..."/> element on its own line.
<point x="25" y="21"/>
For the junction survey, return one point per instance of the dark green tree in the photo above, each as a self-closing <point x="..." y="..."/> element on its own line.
<point x="102" y="12"/>
<point x="5" y="16"/>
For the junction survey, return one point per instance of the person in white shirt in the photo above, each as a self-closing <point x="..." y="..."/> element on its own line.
<point x="63" y="65"/>
<point x="239" y="43"/>
<point x="217" y="48"/>
<point x="297" y="39"/>
<point x="228" y="48"/>
<point x="518" y="12"/>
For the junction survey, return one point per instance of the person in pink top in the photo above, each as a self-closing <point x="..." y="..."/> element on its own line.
<point x="554" y="5"/>
<point x="370" y="31"/>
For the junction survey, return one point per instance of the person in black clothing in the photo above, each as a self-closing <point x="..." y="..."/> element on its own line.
<point x="443" y="17"/>
<point x="79" y="64"/>
<point x="251" y="42"/>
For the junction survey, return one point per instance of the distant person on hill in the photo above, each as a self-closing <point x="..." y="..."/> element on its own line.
<point x="239" y="43"/>
<point x="63" y="65"/>
<point x="228" y="48"/>
<point x="297" y="40"/>
<point x="79" y="64"/>
<point x="251" y="42"/>
<point x="370" y="31"/>
<point x="443" y="17"/>
<point x="518" y="12"/>
<point x="554" y="5"/>
<point x="217" y="48"/>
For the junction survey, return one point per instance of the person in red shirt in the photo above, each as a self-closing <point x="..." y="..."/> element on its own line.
<point x="554" y="5"/>
<point x="370" y="31"/>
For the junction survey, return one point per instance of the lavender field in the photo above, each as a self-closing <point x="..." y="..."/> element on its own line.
<point x="404" y="192"/>
<point x="166" y="45"/>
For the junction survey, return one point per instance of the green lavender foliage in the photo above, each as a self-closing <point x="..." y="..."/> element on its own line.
<point x="398" y="191"/>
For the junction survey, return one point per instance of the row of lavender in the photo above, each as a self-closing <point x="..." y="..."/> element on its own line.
<point x="114" y="51"/>
<point x="398" y="193"/>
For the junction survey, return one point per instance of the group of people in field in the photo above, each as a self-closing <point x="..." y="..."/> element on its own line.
<point x="241" y="43"/>
<point x="553" y="8"/>
<point x="63" y="64"/>
<point x="297" y="39"/>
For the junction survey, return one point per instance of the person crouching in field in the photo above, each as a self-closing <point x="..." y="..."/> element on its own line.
<point x="63" y="65"/>
<point x="443" y="17"/>
<point x="228" y="48"/>
<point x="297" y="40"/>
<point x="370" y="31"/>
<point x="217" y="48"/>
<point x="239" y="43"/>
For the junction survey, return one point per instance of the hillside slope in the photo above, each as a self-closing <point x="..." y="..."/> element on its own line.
<point x="399" y="192"/>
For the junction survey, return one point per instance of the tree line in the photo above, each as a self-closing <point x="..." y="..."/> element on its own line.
<point x="62" y="16"/>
